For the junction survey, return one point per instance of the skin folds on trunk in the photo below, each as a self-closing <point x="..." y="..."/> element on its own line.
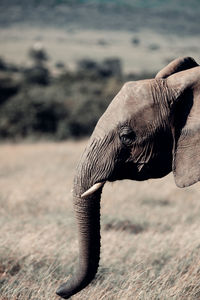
<point x="88" y="217"/>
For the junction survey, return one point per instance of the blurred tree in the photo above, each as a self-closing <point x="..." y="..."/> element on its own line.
<point x="38" y="54"/>
<point x="39" y="72"/>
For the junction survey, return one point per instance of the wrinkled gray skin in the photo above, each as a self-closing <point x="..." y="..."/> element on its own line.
<point x="149" y="129"/>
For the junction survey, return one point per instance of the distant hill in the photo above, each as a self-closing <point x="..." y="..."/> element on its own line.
<point x="180" y="16"/>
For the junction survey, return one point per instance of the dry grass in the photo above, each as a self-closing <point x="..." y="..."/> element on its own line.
<point x="150" y="231"/>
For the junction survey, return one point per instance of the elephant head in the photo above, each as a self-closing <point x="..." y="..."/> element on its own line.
<point x="152" y="127"/>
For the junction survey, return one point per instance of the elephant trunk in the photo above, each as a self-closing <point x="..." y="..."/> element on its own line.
<point x="88" y="218"/>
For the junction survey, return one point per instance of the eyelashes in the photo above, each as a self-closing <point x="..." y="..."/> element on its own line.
<point x="127" y="136"/>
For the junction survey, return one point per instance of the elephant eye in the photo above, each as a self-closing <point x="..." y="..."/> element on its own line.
<point x="127" y="136"/>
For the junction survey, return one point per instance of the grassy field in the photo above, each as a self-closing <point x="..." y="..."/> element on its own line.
<point x="150" y="230"/>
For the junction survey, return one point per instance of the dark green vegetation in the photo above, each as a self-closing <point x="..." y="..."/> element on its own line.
<point x="178" y="16"/>
<point x="35" y="103"/>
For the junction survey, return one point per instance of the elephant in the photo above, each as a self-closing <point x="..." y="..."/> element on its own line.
<point x="150" y="128"/>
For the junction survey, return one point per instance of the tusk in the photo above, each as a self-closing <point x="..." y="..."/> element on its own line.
<point x="93" y="189"/>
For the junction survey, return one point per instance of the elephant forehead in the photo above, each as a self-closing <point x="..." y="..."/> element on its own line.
<point x="134" y="99"/>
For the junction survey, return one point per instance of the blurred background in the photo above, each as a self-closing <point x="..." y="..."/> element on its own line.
<point x="62" y="61"/>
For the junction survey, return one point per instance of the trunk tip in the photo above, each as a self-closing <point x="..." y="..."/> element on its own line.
<point x="63" y="292"/>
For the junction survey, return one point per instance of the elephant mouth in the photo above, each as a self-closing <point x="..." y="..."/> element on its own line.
<point x="95" y="187"/>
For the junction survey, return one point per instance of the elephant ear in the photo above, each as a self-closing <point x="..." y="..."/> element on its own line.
<point x="186" y="118"/>
<point x="186" y="127"/>
<point x="177" y="65"/>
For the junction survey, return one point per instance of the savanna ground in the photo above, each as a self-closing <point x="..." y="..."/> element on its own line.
<point x="150" y="230"/>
